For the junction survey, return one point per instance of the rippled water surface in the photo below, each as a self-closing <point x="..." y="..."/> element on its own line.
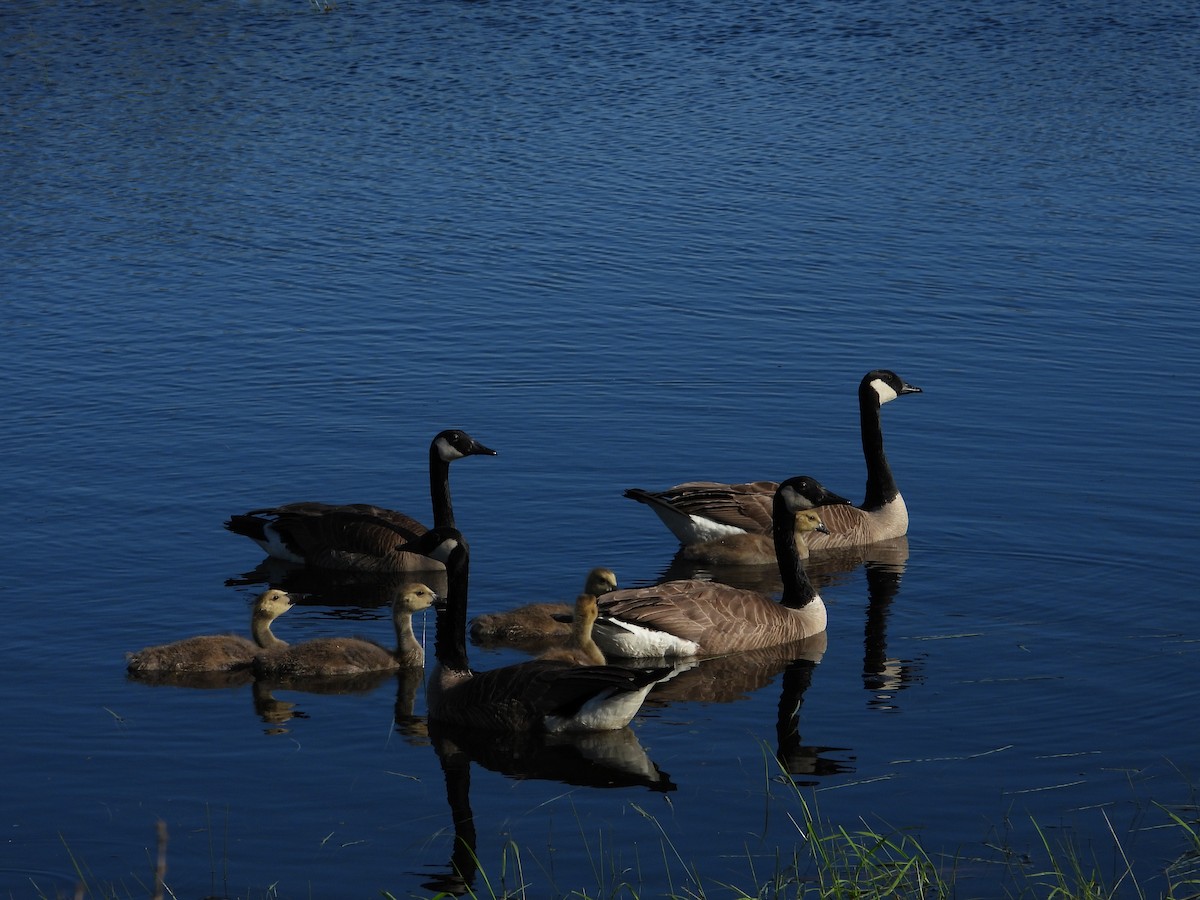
<point x="260" y="252"/>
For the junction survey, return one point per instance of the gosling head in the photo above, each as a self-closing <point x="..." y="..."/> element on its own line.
<point x="600" y="581"/>
<point x="272" y="603"/>
<point x="808" y="520"/>
<point x="413" y="598"/>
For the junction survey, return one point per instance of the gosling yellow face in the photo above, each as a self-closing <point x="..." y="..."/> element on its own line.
<point x="600" y="581"/>
<point x="273" y="603"/>
<point x="808" y="520"/>
<point x="415" y="597"/>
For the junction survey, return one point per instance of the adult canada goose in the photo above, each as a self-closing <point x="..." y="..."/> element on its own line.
<point x="353" y="656"/>
<point x="536" y="624"/>
<point x="703" y="511"/>
<point x="758" y="549"/>
<point x="580" y="649"/>
<point x="217" y="652"/>
<point x="357" y="535"/>
<point x="704" y="618"/>
<point x="539" y="695"/>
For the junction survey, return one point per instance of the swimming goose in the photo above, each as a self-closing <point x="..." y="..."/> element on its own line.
<point x="579" y="648"/>
<point x="703" y="511"/>
<point x="537" y="624"/>
<point x="353" y="656"/>
<point x="758" y="549"/>
<point x="704" y="618"/>
<point x="357" y="535"/>
<point x="539" y="695"/>
<point x="217" y="652"/>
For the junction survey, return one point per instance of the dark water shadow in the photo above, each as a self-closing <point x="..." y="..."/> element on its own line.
<point x="207" y="681"/>
<point x="602" y="760"/>
<point x="320" y="587"/>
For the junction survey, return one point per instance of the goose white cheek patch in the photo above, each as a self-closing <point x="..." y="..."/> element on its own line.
<point x="884" y="391"/>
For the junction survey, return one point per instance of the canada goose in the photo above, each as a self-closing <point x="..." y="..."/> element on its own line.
<point x="539" y="695"/>
<point x="758" y="549"/>
<point x="704" y="618"/>
<point x="217" y="652"/>
<point x="703" y="511"/>
<point x="579" y="648"/>
<point x="535" y="625"/>
<point x="353" y="656"/>
<point x="358" y="535"/>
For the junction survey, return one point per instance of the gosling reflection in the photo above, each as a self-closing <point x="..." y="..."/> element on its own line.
<point x="277" y="711"/>
<point x="608" y="759"/>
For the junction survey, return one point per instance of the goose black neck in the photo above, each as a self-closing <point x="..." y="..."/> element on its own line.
<point x="798" y="591"/>
<point x="450" y="641"/>
<point x="439" y="489"/>
<point x="881" y="486"/>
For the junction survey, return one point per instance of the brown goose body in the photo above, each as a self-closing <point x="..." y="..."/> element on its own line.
<point x="339" y="657"/>
<point x="360" y="536"/>
<point x="217" y="652"/>
<point x="704" y="618"/>
<point x="701" y="511"/>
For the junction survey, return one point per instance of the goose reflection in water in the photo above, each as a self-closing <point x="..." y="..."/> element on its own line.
<point x="332" y="587"/>
<point x="732" y="678"/>
<point x="602" y="759"/>
<point x="883" y="675"/>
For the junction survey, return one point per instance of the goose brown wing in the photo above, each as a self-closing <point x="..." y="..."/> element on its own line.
<point x="709" y="613"/>
<point x="405" y="525"/>
<point x="342" y="530"/>
<point x="745" y="506"/>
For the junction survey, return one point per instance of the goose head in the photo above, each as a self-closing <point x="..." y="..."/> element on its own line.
<point x="454" y="444"/>
<point x="802" y="493"/>
<point x="886" y="385"/>
<point x="808" y="493"/>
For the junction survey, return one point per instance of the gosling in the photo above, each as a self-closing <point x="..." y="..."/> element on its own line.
<point x="580" y="649"/>
<point x="537" y="624"/>
<point x="218" y="652"/>
<point x="353" y="656"/>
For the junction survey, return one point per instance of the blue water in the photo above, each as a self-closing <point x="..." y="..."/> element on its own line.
<point x="262" y="252"/>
